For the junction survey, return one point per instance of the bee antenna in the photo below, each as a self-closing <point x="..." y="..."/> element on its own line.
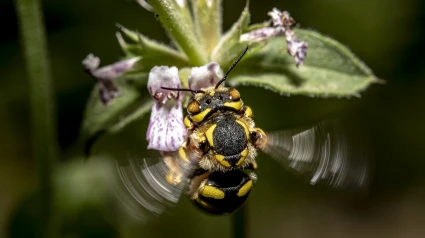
<point x="231" y="67"/>
<point x="183" y="89"/>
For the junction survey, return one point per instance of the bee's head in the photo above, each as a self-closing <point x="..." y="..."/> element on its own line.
<point x="211" y="100"/>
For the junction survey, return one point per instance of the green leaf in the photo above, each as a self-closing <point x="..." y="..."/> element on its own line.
<point x="229" y="46"/>
<point x="207" y="16"/>
<point x="153" y="53"/>
<point x="100" y="119"/>
<point x="178" y="23"/>
<point x="136" y="115"/>
<point x="329" y="69"/>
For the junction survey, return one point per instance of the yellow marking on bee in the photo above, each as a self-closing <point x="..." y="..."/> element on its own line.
<point x="209" y="134"/>
<point x="182" y="154"/>
<point x="201" y="116"/>
<point x="248" y="111"/>
<point x="244" y="153"/>
<point x="254" y="165"/>
<point x="212" y="93"/>
<point x="244" y="127"/>
<point x="187" y="123"/>
<point x="235" y="105"/>
<point x="245" y="189"/>
<point x="220" y="159"/>
<point x="212" y="192"/>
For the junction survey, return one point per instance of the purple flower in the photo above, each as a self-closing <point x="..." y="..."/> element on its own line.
<point x="166" y="131"/>
<point x="282" y="24"/>
<point x="204" y="76"/>
<point x="106" y="74"/>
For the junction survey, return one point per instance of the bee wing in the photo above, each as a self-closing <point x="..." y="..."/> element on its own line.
<point x="323" y="153"/>
<point x="143" y="188"/>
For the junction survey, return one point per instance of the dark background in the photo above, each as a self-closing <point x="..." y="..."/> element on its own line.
<point x="386" y="35"/>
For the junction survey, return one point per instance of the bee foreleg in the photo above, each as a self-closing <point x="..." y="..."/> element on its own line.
<point x="258" y="138"/>
<point x="247" y="111"/>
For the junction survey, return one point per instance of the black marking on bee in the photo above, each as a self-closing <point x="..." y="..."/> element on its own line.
<point x="229" y="137"/>
<point x="216" y="101"/>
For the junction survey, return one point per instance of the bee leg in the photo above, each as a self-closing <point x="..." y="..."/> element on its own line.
<point x="252" y="166"/>
<point x="258" y="137"/>
<point x="188" y="123"/>
<point x="199" y="147"/>
<point x="197" y="182"/>
<point x="174" y="174"/>
<point x="176" y="163"/>
<point x="247" y="111"/>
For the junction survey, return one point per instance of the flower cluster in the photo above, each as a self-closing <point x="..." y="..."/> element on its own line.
<point x="166" y="131"/>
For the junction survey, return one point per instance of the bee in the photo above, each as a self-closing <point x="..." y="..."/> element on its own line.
<point x="217" y="162"/>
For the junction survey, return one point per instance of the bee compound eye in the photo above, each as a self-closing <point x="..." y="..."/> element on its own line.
<point x="193" y="107"/>
<point x="220" y="97"/>
<point x="208" y="101"/>
<point x="234" y="94"/>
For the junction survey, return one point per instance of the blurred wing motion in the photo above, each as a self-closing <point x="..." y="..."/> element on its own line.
<point x="143" y="188"/>
<point x="324" y="154"/>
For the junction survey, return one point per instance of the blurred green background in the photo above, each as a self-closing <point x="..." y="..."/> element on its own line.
<point x="386" y="35"/>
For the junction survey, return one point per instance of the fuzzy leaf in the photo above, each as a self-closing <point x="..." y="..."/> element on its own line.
<point x="229" y="47"/>
<point x="99" y="118"/>
<point x="207" y="16"/>
<point x="152" y="52"/>
<point x="330" y="69"/>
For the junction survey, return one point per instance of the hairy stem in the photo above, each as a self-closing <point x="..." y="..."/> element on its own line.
<point x="179" y="24"/>
<point x="42" y="109"/>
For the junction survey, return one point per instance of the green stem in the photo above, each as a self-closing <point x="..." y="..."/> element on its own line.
<point x="179" y="24"/>
<point x="42" y="110"/>
<point x="239" y="223"/>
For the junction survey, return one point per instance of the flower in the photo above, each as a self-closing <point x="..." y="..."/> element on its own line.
<point x="106" y="74"/>
<point x="204" y="76"/>
<point x="166" y="131"/>
<point x="282" y="24"/>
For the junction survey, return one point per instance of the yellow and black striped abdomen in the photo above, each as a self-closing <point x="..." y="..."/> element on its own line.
<point x="223" y="193"/>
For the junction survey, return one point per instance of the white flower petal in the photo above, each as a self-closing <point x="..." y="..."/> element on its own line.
<point x="164" y="76"/>
<point x="166" y="131"/>
<point x="204" y="76"/>
<point x="91" y="62"/>
<point x="109" y="72"/>
<point x="276" y="16"/>
<point x="262" y="34"/>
